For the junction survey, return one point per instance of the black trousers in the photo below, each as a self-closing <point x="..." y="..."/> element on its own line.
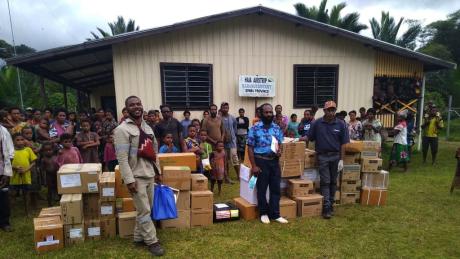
<point x="431" y="142"/>
<point x="4" y="207"/>
<point x="269" y="177"/>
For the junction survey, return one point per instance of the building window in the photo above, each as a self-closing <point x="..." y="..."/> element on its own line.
<point x="186" y="86"/>
<point x="314" y="85"/>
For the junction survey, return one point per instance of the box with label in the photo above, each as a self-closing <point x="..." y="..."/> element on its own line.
<point x="48" y="234"/>
<point x="355" y="146"/>
<point x="351" y="172"/>
<point x="378" y="180"/>
<point x="310" y="159"/>
<point x="225" y="212"/>
<point x="288" y="208"/>
<point x="108" y="227"/>
<point x="310" y="174"/>
<point x="351" y="158"/>
<point x="178" y="159"/>
<point x="50" y="212"/>
<point x="92" y="229"/>
<point x="372" y="146"/>
<point x="373" y="196"/>
<point x="291" y="168"/>
<point x="299" y="188"/>
<point x="201" y="218"/>
<point x="247" y="211"/>
<point x="183" y="200"/>
<point x="106" y="209"/>
<point x="309" y="206"/>
<point x="107" y="186"/>
<point x="371" y="165"/>
<point x="91" y="205"/>
<point x="72" y="208"/>
<point x="369" y="154"/>
<point x="121" y="190"/>
<point x="74" y="234"/>
<point x="177" y="177"/>
<point x="78" y="178"/>
<point x="182" y="221"/>
<point x="126" y="223"/>
<point x="125" y="205"/>
<point x="250" y="195"/>
<point x="201" y="200"/>
<point x="350" y="186"/>
<point x="199" y="182"/>
<point x="349" y="197"/>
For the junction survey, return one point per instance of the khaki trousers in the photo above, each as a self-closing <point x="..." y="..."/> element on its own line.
<point x="144" y="229"/>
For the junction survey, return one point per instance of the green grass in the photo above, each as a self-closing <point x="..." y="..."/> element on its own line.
<point x="454" y="129"/>
<point x="421" y="219"/>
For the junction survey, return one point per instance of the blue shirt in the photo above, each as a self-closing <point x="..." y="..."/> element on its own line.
<point x="260" y="138"/>
<point x="164" y="149"/>
<point x="328" y="137"/>
<point x="230" y="128"/>
<point x="185" y="123"/>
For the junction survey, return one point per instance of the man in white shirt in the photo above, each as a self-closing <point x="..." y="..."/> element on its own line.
<point x="6" y="171"/>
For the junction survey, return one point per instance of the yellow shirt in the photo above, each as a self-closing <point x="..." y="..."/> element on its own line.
<point x="23" y="158"/>
<point x="432" y="129"/>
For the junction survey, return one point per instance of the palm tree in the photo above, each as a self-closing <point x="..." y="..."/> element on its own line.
<point x="117" y="27"/>
<point x="387" y="30"/>
<point x="348" y="22"/>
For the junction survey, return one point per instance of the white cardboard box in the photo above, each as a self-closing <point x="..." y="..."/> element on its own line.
<point x="250" y="195"/>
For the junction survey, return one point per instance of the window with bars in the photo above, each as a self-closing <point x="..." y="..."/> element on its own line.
<point x="314" y="85"/>
<point x="186" y="86"/>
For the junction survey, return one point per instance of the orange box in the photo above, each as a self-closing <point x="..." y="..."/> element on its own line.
<point x="48" y="234"/>
<point x="355" y="146"/>
<point x="374" y="196"/>
<point x="248" y="211"/>
<point x="121" y="191"/>
<point x="125" y="205"/>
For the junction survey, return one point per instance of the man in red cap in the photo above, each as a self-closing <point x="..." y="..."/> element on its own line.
<point x="330" y="134"/>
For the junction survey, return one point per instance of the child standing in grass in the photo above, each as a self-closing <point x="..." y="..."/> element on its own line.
<point x="68" y="154"/>
<point x="399" y="153"/>
<point x="35" y="187"/>
<point x="168" y="146"/>
<point x="23" y="162"/>
<point x="206" y="150"/>
<point x="88" y="143"/>
<point x="218" y="166"/>
<point x="49" y="165"/>
<point x="192" y="145"/>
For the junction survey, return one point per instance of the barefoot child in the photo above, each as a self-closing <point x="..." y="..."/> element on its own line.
<point x="168" y="146"/>
<point x="193" y="146"/>
<point x="87" y="143"/>
<point x="49" y="166"/>
<point x="218" y="166"/>
<point x="110" y="158"/>
<point x="68" y="154"/>
<point x="35" y="187"/>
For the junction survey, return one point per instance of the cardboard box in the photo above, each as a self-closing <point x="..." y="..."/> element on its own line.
<point x="247" y="211"/>
<point x="291" y="168"/>
<point x="310" y="159"/>
<point x="50" y="212"/>
<point x="371" y="165"/>
<point x="223" y="212"/>
<point x="309" y="206"/>
<point x="91" y="205"/>
<point x="108" y="227"/>
<point x="293" y="150"/>
<point x="374" y="197"/>
<point x="337" y="197"/>
<point x="106" y="209"/>
<point x="355" y="146"/>
<point x="74" y="234"/>
<point x="126" y="223"/>
<point x="107" y="186"/>
<point x="351" y="172"/>
<point x="48" y="234"/>
<point x="299" y="188"/>
<point x="200" y="218"/>
<point x="284" y="186"/>
<point x="369" y="154"/>
<point x="372" y="146"/>
<point x="125" y="205"/>
<point x="350" y="186"/>
<point x="311" y="174"/>
<point x="183" y="201"/>
<point x="199" y="182"/>
<point x="288" y="208"/>
<point x="349" y="197"/>
<point x="121" y="190"/>
<point x="177" y="177"/>
<point x="351" y="158"/>
<point x="182" y="221"/>
<point x="92" y="229"/>
<point x="78" y="178"/>
<point x="378" y="180"/>
<point x="72" y="208"/>
<point x="178" y="159"/>
<point x="201" y="200"/>
<point x="250" y="195"/>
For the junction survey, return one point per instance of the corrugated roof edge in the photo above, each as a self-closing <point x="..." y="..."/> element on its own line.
<point x="433" y="62"/>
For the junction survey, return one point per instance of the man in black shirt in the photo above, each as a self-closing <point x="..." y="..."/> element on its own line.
<point x="169" y="125"/>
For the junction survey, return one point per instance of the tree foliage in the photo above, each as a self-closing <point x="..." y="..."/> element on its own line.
<point x="117" y="27"/>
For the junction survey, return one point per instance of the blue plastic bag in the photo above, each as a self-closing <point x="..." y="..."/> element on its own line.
<point x="164" y="204"/>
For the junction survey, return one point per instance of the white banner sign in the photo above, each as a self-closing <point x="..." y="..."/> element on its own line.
<point x="257" y="86"/>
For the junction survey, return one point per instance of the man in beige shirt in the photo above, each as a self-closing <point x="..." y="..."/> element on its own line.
<point x="138" y="172"/>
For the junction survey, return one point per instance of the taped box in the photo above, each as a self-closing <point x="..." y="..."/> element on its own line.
<point x="121" y="190"/>
<point x="248" y="211"/>
<point x="291" y="168"/>
<point x="201" y="218"/>
<point x="288" y="208"/>
<point x="378" y="180"/>
<point x="48" y="234"/>
<point x="78" y="178"/>
<point x="223" y="212"/>
<point x="349" y="197"/>
<point x="125" y="205"/>
<point x="92" y="229"/>
<point x="293" y="151"/>
<point x="350" y="186"/>
<point x="310" y="159"/>
<point x="351" y="158"/>
<point x="50" y="212"/>
<point x="74" y="234"/>
<point x="355" y="146"/>
<point x="183" y="200"/>
<point x="373" y="196"/>
<point x="201" y="200"/>
<point x="108" y="227"/>
<point x="91" y="205"/>
<point x="178" y="159"/>
<point x="107" y="186"/>
<point x="72" y="208"/>
<point x="126" y="223"/>
<point x="351" y="172"/>
<point x="372" y="146"/>
<point x="309" y="206"/>
<point x="182" y="221"/>
<point x="199" y="182"/>
<point x="371" y="165"/>
<point x="177" y="177"/>
<point x="106" y="209"/>
<point x="299" y="188"/>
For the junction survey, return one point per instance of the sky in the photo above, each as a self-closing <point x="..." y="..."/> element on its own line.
<point x="44" y="24"/>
